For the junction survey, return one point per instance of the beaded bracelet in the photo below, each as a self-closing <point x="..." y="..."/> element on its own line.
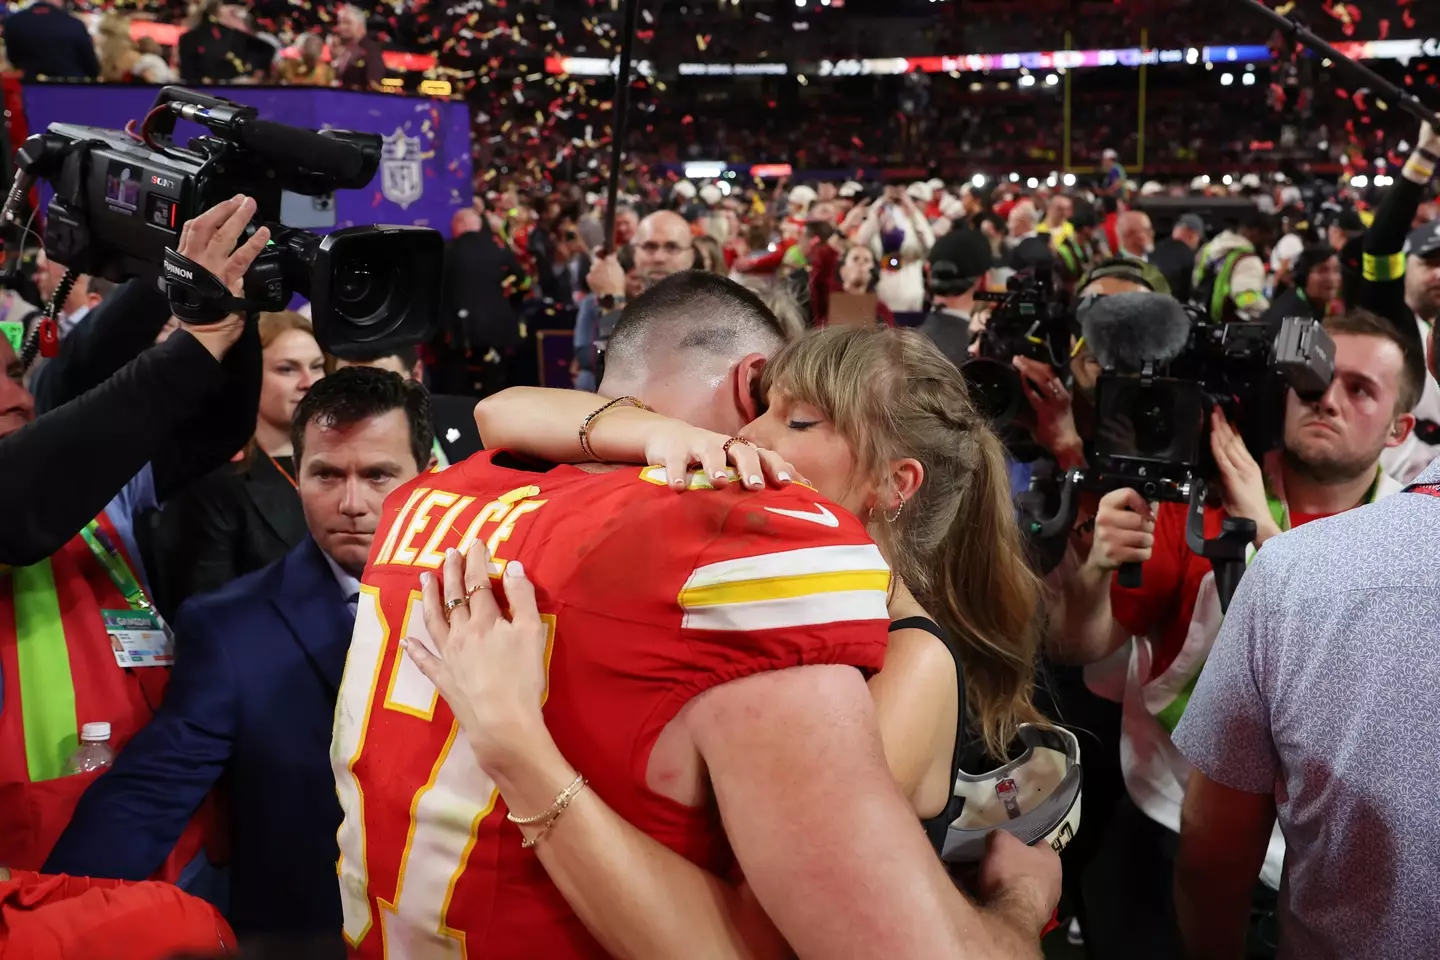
<point x="585" y="447"/>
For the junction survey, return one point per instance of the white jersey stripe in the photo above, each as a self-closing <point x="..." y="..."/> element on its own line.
<point x="799" y="611"/>
<point x="841" y="558"/>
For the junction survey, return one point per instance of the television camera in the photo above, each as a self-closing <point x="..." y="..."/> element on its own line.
<point x="1165" y="367"/>
<point x="1031" y="319"/>
<point x="121" y="198"/>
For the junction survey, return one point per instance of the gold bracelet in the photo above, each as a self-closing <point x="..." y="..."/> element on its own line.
<point x="585" y="447"/>
<point x="547" y="819"/>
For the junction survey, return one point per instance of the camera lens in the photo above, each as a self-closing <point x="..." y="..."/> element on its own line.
<point x="362" y="288"/>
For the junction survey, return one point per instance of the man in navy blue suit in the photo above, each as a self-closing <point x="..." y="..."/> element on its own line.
<point x="252" y="694"/>
<point x="43" y="40"/>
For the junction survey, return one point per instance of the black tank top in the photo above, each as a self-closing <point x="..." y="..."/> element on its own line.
<point x="936" y="826"/>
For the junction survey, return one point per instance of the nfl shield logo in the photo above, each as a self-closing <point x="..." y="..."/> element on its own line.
<point x="401" y="178"/>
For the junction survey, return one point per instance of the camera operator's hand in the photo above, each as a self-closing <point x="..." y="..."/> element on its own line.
<point x="1242" y="481"/>
<point x="606" y="278"/>
<point x="209" y="240"/>
<point x="1124" y="530"/>
<point x="1054" y="413"/>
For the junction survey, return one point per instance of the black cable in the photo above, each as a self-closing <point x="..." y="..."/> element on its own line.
<point x="619" y="119"/>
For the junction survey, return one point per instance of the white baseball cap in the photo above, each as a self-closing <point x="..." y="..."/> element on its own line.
<point x="1035" y="797"/>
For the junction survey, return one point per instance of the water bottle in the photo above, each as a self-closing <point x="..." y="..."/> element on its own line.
<point x="94" y="752"/>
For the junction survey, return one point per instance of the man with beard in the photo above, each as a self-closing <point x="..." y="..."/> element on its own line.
<point x="1328" y="463"/>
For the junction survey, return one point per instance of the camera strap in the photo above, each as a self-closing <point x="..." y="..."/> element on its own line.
<point x="196" y="295"/>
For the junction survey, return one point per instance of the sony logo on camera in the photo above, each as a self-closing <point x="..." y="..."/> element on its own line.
<point x="180" y="272"/>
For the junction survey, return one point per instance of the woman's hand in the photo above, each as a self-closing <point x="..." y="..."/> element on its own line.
<point x="676" y="445"/>
<point x="490" y="670"/>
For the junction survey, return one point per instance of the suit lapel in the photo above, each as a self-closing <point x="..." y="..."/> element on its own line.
<point x="274" y="497"/>
<point x="310" y="603"/>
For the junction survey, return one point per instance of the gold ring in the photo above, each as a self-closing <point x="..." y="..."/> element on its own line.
<point x="450" y="606"/>
<point x="482" y="585"/>
<point x="733" y="440"/>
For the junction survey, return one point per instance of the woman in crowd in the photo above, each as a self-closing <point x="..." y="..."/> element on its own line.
<point x="123" y="61"/>
<point x="245" y="516"/>
<point x="309" y="68"/>
<point x="866" y="414"/>
<point x="709" y="256"/>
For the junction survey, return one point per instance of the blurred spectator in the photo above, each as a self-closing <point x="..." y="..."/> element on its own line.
<point x="1317" y="286"/>
<point x="121" y="59"/>
<point x="358" y="59"/>
<point x="244" y="516"/>
<point x="309" y="68"/>
<point x="219" y="49"/>
<point x="1175" y="255"/>
<point x="43" y="41"/>
<point x="709" y="256"/>
<point x="480" y="295"/>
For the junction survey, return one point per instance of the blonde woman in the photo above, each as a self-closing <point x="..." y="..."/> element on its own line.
<point x="243" y="517"/>
<point x="866" y="415"/>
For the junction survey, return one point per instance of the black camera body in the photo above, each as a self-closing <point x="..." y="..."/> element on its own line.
<point x="1153" y="427"/>
<point x="121" y="199"/>
<point x="1031" y="319"/>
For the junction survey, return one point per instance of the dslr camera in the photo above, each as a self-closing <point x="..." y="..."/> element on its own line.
<point x="1031" y="319"/>
<point x="121" y="198"/>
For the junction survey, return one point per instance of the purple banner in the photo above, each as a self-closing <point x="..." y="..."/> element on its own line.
<point x="425" y="175"/>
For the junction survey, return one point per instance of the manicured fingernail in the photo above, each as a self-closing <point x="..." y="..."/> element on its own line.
<point x="514" y="569"/>
<point x="451" y="552"/>
<point x="404" y="643"/>
<point x="755" y="481"/>
<point x="425" y="578"/>
<point x="718" y="474"/>
<point x="783" y="477"/>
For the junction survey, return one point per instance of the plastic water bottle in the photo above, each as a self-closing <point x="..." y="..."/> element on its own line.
<point x="94" y="752"/>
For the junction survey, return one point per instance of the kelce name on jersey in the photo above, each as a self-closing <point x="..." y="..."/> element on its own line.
<point x="418" y="536"/>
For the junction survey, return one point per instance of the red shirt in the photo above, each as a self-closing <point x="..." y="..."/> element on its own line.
<point x="1162" y="606"/>
<point x="653" y="597"/>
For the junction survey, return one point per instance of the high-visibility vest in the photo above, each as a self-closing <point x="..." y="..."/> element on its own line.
<point x="59" y="672"/>
<point x="1212" y="284"/>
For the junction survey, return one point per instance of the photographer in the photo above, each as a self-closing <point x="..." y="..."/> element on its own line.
<point x="1329" y="463"/>
<point x="131" y="418"/>
<point x="81" y="617"/>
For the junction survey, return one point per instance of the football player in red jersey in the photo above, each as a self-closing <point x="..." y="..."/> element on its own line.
<point x="672" y="661"/>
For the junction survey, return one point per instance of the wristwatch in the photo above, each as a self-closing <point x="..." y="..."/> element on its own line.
<point x="610" y="301"/>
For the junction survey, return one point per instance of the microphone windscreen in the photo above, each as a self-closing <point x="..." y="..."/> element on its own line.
<point x="1125" y="330"/>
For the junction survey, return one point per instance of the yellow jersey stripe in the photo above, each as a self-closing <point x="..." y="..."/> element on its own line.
<point x="1382" y="269"/>
<point x="781" y="588"/>
<point x="790" y="612"/>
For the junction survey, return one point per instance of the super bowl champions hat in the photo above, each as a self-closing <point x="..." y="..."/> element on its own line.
<point x="1035" y="797"/>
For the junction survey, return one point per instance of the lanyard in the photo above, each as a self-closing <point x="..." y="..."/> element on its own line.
<point x="1429" y="489"/>
<point x="281" y="470"/>
<point x="441" y="461"/>
<point x="114" y="563"/>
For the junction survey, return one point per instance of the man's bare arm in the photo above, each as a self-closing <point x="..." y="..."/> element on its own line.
<point x="829" y="845"/>
<point x="1224" y="834"/>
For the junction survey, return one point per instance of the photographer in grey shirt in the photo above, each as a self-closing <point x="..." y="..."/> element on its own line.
<point x="1317" y="707"/>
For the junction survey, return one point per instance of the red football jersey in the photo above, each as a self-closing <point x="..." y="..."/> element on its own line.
<point x="652" y="597"/>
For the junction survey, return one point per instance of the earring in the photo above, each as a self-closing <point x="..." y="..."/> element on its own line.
<point x="891" y="518"/>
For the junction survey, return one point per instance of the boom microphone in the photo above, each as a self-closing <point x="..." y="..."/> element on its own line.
<point x="1124" y="331"/>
